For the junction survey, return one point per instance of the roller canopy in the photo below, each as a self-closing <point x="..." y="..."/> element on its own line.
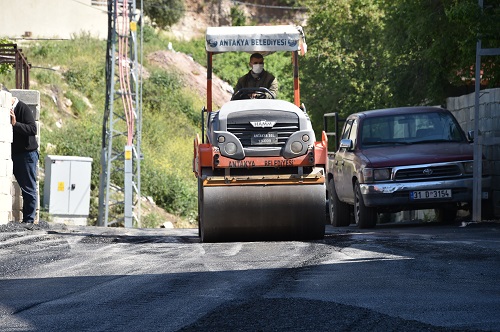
<point x="262" y="39"/>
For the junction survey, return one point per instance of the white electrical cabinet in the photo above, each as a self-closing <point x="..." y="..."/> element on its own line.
<point x="67" y="185"/>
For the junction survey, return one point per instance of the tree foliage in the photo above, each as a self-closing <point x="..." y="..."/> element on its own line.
<point x="431" y="43"/>
<point x="238" y="17"/>
<point x="366" y="54"/>
<point x="163" y="13"/>
<point x="4" y="68"/>
<point x="344" y="69"/>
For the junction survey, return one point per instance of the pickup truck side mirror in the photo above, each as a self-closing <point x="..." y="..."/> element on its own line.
<point x="345" y="144"/>
<point x="470" y="135"/>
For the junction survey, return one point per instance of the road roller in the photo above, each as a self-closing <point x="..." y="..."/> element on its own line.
<point x="260" y="170"/>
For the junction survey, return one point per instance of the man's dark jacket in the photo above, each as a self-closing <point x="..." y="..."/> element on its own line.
<point x="24" y="131"/>
<point x="264" y="80"/>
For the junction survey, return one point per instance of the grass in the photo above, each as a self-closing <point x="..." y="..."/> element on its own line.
<point x="70" y="75"/>
<point x="71" y="78"/>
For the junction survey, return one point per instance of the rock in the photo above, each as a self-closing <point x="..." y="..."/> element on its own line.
<point x="167" y="224"/>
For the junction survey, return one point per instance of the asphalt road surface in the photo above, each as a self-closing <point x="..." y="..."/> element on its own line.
<point x="393" y="278"/>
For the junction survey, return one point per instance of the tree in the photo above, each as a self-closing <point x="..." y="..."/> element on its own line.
<point x="344" y="69"/>
<point x="432" y="46"/>
<point x="366" y="54"/>
<point x="163" y="13"/>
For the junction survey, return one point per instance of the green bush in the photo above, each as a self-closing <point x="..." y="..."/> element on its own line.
<point x="44" y="50"/>
<point x="164" y="92"/>
<point x="238" y="17"/>
<point x="169" y="191"/>
<point x="87" y="78"/>
<point x="149" y="35"/>
<point x="5" y="68"/>
<point x="44" y="76"/>
<point x="78" y="105"/>
<point x="164" y="13"/>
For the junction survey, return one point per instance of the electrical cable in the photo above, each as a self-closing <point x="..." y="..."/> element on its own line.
<point x="124" y="71"/>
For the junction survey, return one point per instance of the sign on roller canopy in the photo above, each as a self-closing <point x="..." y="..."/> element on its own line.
<point x="255" y="39"/>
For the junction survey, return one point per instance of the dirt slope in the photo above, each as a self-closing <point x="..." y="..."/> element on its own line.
<point x="193" y="74"/>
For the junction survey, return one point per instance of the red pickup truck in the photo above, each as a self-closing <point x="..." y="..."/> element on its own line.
<point x="407" y="158"/>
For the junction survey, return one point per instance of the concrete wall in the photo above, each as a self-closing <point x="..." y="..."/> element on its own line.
<point x="53" y="18"/>
<point x="489" y="124"/>
<point x="5" y="158"/>
<point x="11" y="201"/>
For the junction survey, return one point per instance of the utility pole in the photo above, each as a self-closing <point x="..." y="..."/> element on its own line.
<point x="478" y="137"/>
<point x="122" y="122"/>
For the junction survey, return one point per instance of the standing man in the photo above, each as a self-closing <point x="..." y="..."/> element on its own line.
<point x="25" y="158"/>
<point x="258" y="77"/>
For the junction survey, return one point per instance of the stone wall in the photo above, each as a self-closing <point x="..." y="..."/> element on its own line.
<point x="489" y="124"/>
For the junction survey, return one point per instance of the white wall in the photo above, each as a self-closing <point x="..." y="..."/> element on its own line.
<point x="52" y="18"/>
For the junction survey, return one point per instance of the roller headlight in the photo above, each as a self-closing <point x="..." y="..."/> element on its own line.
<point x="305" y="138"/>
<point x="230" y="148"/>
<point x="296" y="147"/>
<point x="221" y="139"/>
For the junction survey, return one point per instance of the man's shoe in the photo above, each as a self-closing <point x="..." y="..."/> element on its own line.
<point x="28" y="225"/>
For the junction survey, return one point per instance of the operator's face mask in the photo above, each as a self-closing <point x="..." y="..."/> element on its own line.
<point x="258" y="68"/>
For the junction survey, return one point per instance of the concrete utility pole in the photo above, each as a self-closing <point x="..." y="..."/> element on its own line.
<point x="122" y="124"/>
<point x="478" y="137"/>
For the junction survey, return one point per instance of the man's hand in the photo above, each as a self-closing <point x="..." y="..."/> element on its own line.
<point x="12" y="117"/>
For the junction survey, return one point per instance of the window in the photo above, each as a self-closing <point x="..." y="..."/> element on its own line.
<point x="347" y="129"/>
<point x="411" y="128"/>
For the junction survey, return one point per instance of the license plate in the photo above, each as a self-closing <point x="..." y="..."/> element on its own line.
<point x="260" y="138"/>
<point x="430" y="194"/>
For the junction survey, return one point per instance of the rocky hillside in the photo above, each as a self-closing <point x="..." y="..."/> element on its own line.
<point x="201" y="14"/>
<point x="192" y="73"/>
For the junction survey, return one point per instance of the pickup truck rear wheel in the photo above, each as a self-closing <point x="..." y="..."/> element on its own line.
<point x="365" y="217"/>
<point x="340" y="214"/>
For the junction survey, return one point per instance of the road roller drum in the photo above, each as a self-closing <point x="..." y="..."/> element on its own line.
<point x="262" y="212"/>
